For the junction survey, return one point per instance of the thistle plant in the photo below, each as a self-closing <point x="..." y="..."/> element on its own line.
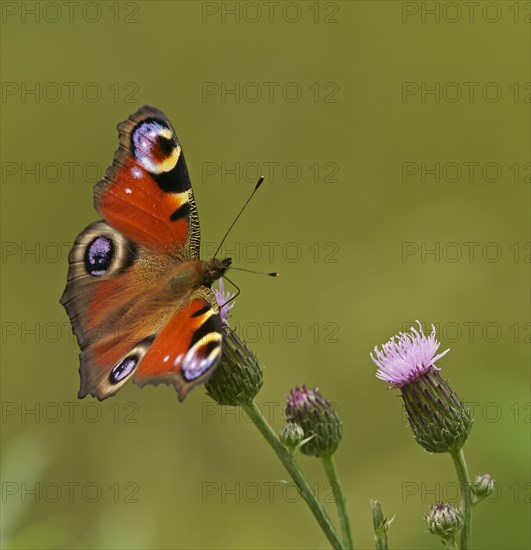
<point x="237" y="381"/>
<point x="439" y="420"/>
<point x="323" y="431"/>
<point x="438" y="417"/>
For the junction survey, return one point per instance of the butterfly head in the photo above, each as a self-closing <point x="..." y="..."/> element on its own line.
<point x="214" y="269"/>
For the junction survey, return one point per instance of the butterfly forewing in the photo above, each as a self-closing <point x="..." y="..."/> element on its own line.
<point x="146" y="193"/>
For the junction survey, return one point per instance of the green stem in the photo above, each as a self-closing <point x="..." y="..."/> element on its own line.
<point x="451" y="544"/>
<point x="341" y="502"/>
<point x="380" y="526"/>
<point x="295" y="472"/>
<point x="466" y="497"/>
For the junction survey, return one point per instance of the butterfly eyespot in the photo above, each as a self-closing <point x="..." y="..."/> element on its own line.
<point x="155" y="147"/>
<point x="123" y="369"/>
<point x="202" y="356"/>
<point x="98" y="256"/>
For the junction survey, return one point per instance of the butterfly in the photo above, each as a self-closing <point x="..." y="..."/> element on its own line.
<point x="138" y="296"/>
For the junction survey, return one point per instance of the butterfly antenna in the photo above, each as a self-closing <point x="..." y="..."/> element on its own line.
<point x="258" y="184"/>
<point x="270" y="274"/>
<point x="237" y="291"/>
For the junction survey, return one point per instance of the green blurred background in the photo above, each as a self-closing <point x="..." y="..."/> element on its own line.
<point x="329" y="101"/>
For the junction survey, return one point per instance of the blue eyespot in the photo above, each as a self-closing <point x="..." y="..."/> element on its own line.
<point x="98" y="256"/>
<point x="123" y="369"/>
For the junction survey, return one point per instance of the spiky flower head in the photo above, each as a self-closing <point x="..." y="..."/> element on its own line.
<point x="444" y="520"/>
<point x="318" y="419"/>
<point x="438" y="417"/>
<point x="407" y="356"/>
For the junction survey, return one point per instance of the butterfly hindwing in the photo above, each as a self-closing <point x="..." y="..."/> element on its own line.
<point x="115" y="300"/>
<point x="188" y="348"/>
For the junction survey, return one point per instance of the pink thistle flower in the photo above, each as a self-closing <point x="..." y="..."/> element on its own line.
<point x="438" y="417"/>
<point x="406" y="356"/>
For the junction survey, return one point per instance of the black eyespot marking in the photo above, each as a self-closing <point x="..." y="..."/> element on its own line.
<point x="123" y="369"/>
<point x="98" y="256"/>
<point x="200" y="312"/>
<point x="182" y="212"/>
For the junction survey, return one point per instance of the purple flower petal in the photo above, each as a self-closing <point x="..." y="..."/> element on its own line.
<point x="223" y="298"/>
<point x="407" y="356"/>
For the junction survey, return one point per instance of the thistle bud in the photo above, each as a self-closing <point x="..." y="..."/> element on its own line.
<point x="239" y="377"/>
<point x="317" y="418"/>
<point x="444" y="520"/>
<point x="292" y="434"/>
<point x="440" y="421"/>
<point x="482" y="487"/>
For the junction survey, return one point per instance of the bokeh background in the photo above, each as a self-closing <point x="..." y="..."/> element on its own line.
<point x="395" y="145"/>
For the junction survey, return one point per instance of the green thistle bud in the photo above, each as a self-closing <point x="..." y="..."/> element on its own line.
<point x="438" y="417"/>
<point x="317" y="418"/>
<point x="239" y="377"/>
<point x="444" y="520"/>
<point x="292" y="434"/>
<point x="482" y="487"/>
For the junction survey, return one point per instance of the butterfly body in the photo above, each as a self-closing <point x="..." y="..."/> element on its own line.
<point x="138" y="295"/>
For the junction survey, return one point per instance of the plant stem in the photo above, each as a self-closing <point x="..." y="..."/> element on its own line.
<point x="380" y="526"/>
<point x="295" y="472"/>
<point x="341" y="502"/>
<point x="466" y="497"/>
<point x="450" y="543"/>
